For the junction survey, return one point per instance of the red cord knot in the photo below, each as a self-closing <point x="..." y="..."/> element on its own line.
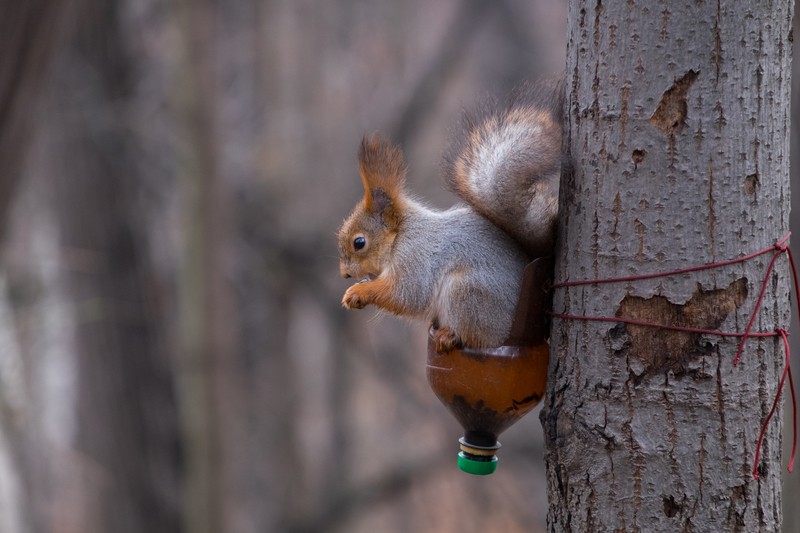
<point x="782" y="245"/>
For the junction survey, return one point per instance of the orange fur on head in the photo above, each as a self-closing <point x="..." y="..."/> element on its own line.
<point x="378" y="216"/>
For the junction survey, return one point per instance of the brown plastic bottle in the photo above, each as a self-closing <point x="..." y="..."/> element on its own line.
<point x="489" y="390"/>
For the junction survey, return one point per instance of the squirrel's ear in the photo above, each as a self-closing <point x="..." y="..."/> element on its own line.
<point x="383" y="173"/>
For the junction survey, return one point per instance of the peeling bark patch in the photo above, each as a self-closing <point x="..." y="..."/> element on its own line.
<point x="671" y="507"/>
<point x="670" y="114"/>
<point x="654" y="351"/>
<point x="637" y="156"/>
<point x="751" y="184"/>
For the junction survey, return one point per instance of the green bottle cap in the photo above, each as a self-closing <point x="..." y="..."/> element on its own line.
<point x="477" y="467"/>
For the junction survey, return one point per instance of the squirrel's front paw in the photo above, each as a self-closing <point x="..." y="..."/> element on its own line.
<point x="352" y="300"/>
<point x="445" y="340"/>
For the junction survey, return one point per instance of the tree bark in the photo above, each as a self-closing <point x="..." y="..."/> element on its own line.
<point x="678" y="136"/>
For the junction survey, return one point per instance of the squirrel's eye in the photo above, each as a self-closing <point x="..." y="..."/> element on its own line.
<point x="359" y="242"/>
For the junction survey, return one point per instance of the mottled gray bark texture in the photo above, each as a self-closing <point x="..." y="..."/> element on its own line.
<point x="678" y="133"/>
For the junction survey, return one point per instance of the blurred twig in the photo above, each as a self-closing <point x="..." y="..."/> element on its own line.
<point x="201" y="282"/>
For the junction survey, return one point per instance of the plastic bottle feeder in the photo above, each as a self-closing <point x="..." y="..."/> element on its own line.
<point x="489" y="390"/>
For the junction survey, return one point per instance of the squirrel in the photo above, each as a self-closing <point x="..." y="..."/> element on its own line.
<point x="460" y="268"/>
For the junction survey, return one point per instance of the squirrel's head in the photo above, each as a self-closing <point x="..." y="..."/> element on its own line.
<point x="367" y="236"/>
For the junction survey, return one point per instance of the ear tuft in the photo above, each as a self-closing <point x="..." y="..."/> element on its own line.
<point x="383" y="172"/>
<point x="381" y="165"/>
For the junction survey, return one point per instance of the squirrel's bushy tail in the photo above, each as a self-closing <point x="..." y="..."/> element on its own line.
<point x="506" y="163"/>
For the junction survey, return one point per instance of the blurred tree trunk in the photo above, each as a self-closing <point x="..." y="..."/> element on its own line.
<point x="678" y="129"/>
<point x="126" y="437"/>
<point x="204" y="336"/>
<point x="30" y="33"/>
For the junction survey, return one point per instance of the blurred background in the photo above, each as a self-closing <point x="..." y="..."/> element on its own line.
<point x="173" y="354"/>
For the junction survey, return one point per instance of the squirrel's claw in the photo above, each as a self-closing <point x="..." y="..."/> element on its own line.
<point x="352" y="300"/>
<point x="445" y="340"/>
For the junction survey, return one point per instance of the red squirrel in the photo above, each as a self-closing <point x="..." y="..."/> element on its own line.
<point x="460" y="269"/>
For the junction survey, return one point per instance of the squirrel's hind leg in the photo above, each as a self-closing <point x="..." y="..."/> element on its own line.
<point x="471" y="314"/>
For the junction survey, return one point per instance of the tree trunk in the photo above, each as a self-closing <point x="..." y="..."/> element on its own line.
<point x="30" y="34"/>
<point x="206" y="336"/>
<point x="126" y="449"/>
<point x="678" y="135"/>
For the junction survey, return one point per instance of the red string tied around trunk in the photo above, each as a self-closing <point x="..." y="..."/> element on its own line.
<point x="778" y="249"/>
